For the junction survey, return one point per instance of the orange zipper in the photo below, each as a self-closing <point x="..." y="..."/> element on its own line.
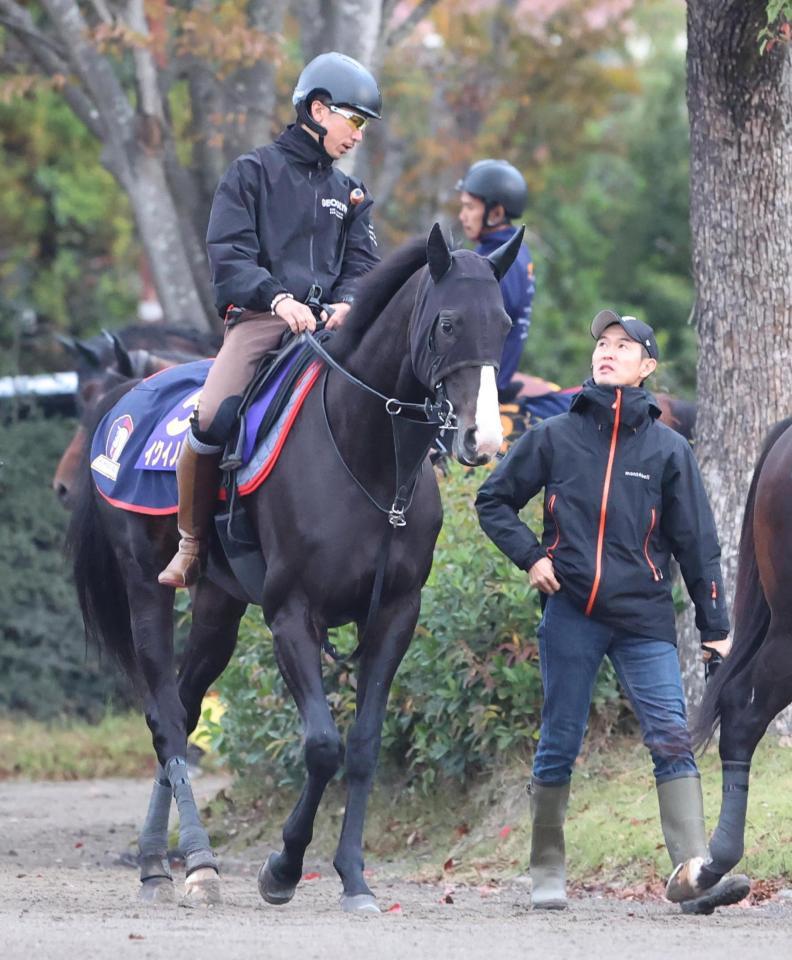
<point x="656" y="574"/>
<point x="551" y="508"/>
<point x="604" y="505"/>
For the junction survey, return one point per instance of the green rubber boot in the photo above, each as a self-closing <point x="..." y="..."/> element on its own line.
<point x="682" y="819"/>
<point x="548" y="867"/>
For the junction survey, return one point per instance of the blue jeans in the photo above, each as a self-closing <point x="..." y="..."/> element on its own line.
<point x="571" y="649"/>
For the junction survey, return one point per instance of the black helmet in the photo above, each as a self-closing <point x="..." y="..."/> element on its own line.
<point x="345" y="81"/>
<point x="496" y="182"/>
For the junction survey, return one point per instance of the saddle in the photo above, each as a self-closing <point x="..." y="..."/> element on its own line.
<point x="272" y="390"/>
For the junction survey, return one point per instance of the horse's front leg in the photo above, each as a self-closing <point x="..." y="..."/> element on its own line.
<point x="151" y="618"/>
<point x="380" y="660"/>
<point x="298" y="652"/>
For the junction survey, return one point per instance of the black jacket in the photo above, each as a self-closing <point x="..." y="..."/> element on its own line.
<point x="618" y="503"/>
<point x="282" y="220"/>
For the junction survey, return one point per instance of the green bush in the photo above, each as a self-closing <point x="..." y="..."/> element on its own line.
<point x="467" y="695"/>
<point x="45" y="669"/>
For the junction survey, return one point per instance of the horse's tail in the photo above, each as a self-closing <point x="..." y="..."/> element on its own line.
<point x="751" y="611"/>
<point x="101" y="589"/>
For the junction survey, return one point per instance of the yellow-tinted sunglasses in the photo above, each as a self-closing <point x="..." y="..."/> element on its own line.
<point x="355" y="119"/>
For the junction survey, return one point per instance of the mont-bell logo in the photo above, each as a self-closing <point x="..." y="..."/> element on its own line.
<point x="637" y="474"/>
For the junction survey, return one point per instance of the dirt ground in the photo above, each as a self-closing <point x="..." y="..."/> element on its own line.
<point x="65" y="893"/>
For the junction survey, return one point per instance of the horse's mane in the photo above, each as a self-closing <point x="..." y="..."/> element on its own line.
<point x="375" y="291"/>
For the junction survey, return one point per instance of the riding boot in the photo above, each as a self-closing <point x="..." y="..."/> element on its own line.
<point x="548" y="868"/>
<point x="198" y="480"/>
<point x="682" y="819"/>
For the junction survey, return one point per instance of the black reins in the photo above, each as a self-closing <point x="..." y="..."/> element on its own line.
<point x="440" y="418"/>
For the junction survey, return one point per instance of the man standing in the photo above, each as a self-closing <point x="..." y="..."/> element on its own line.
<point x="492" y="194"/>
<point x="285" y="227"/>
<point x="623" y="494"/>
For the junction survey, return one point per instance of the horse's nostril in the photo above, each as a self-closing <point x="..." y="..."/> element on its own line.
<point x="470" y="438"/>
<point x="61" y="492"/>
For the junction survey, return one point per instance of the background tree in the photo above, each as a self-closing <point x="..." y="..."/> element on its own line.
<point x="740" y="106"/>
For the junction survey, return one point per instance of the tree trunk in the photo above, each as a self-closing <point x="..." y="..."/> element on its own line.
<point x="740" y="108"/>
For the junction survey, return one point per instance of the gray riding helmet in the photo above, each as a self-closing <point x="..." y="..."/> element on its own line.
<point x="496" y="182"/>
<point x="345" y="81"/>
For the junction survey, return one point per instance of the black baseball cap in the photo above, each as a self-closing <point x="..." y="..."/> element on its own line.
<point x="634" y="328"/>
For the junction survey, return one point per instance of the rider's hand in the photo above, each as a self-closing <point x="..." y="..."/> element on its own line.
<point x="337" y="317"/>
<point x="542" y="576"/>
<point x="298" y="316"/>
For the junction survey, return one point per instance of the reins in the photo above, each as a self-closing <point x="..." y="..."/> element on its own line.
<point x="439" y="418"/>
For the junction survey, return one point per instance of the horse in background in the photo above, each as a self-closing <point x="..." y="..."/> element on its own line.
<point x="110" y="359"/>
<point x="754" y="683"/>
<point x="346" y="522"/>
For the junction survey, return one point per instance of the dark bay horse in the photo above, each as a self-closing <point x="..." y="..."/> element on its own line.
<point x="427" y="324"/>
<point x="754" y="683"/>
<point x="110" y="359"/>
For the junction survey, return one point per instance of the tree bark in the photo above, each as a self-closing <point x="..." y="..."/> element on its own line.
<point x="740" y="108"/>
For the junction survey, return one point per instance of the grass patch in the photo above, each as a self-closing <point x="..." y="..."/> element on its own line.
<point x="482" y="835"/>
<point x="118" y="746"/>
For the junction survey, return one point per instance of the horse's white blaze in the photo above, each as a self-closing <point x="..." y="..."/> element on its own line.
<point x="489" y="432"/>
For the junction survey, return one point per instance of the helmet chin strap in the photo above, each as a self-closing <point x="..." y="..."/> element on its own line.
<point x="485" y="224"/>
<point x="304" y="116"/>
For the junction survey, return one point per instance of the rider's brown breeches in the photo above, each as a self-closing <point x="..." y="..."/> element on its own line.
<point x="244" y="344"/>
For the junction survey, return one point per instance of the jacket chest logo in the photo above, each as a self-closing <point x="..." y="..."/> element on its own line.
<point x="637" y="474"/>
<point x="336" y="208"/>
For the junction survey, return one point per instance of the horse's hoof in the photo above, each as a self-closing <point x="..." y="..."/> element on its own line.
<point x="683" y="884"/>
<point x="727" y="891"/>
<point x="157" y="890"/>
<point x="359" y="903"/>
<point x="274" y="891"/>
<point x="201" y="889"/>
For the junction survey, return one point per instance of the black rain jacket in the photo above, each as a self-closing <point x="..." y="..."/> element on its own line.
<point x="282" y="220"/>
<point x="623" y="493"/>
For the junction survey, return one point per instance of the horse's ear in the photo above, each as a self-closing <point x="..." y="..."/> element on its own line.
<point x="123" y="360"/>
<point x="89" y="354"/>
<point x="502" y="258"/>
<point x="438" y="254"/>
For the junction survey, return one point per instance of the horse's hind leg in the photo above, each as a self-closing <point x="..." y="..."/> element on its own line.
<point x="210" y="645"/>
<point x="749" y="701"/>
<point x="151" y="617"/>
<point x="380" y="659"/>
<point x="749" y="704"/>
<point x="298" y="652"/>
<point x="213" y="635"/>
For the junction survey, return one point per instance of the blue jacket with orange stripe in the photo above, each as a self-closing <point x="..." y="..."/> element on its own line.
<point x="623" y="494"/>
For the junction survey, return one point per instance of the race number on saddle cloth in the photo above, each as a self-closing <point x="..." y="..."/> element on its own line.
<point x="136" y="446"/>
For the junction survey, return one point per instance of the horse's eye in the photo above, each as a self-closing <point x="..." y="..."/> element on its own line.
<point x="446" y="326"/>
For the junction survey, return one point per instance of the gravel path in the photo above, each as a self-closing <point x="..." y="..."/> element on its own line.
<point x="64" y="894"/>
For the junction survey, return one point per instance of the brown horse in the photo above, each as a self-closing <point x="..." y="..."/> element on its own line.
<point x="754" y="683"/>
<point x="109" y="359"/>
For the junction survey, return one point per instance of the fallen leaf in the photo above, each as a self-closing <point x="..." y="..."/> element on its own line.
<point x="446" y="898"/>
<point x="450" y="864"/>
<point x="136" y="936"/>
<point x="504" y="832"/>
<point x="394" y="908"/>
<point x="312" y="876"/>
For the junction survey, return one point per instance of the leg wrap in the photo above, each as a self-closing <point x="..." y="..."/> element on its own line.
<point x="153" y="839"/>
<point x="193" y="838"/>
<point x="726" y="846"/>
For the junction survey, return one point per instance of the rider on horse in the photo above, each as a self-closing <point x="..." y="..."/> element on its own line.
<point x="285" y="227"/>
<point x="623" y="493"/>
<point x="492" y="194"/>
